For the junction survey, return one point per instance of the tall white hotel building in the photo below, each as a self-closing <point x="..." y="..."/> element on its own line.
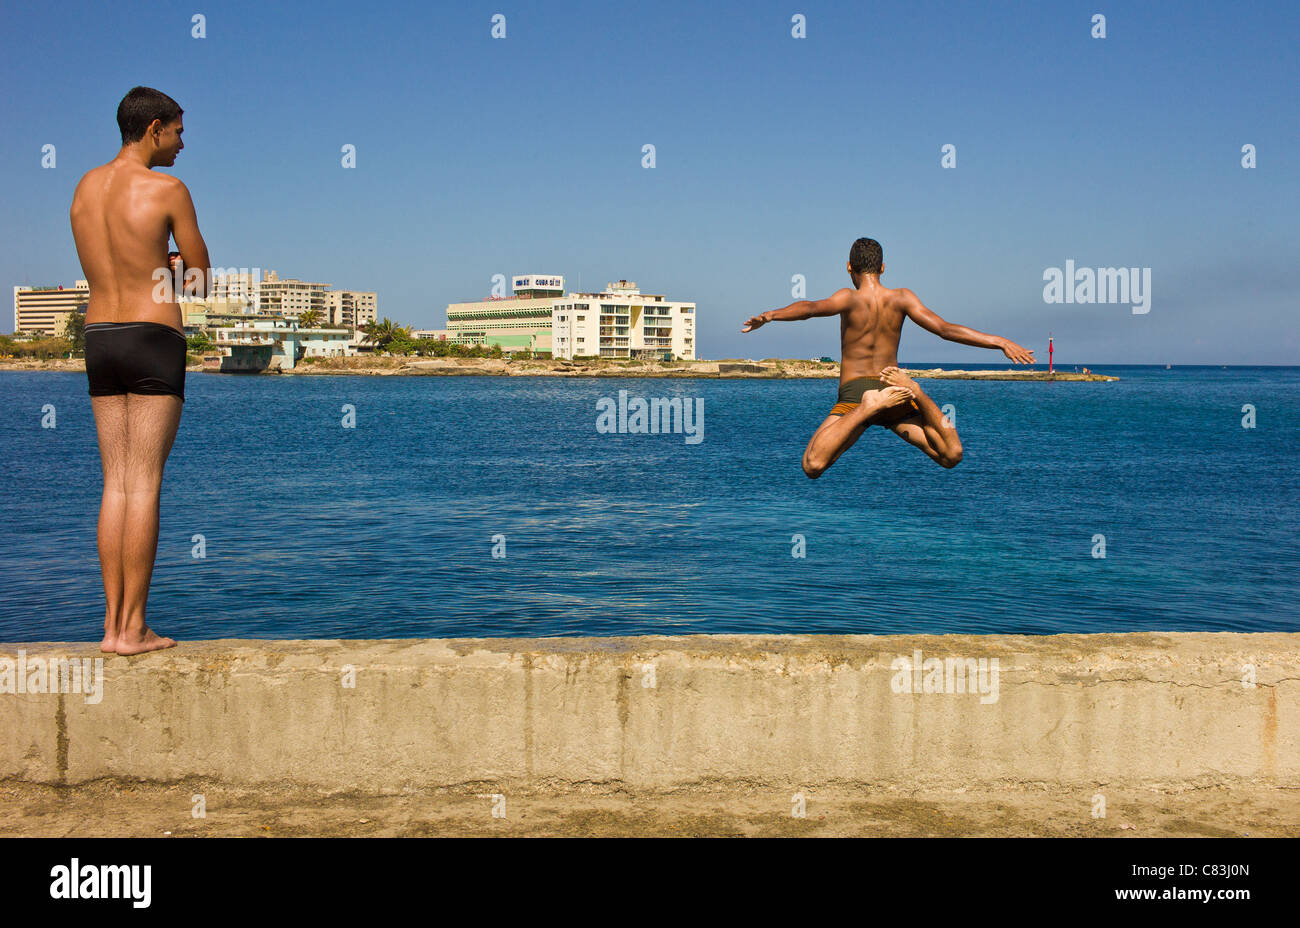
<point x="618" y="322"/>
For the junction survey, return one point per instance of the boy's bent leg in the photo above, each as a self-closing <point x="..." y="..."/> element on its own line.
<point x="930" y="431"/>
<point x="152" y="422"/>
<point x="838" y="433"/>
<point x="825" y="446"/>
<point x="914" y="431"/>
<point x="110" y="428"/>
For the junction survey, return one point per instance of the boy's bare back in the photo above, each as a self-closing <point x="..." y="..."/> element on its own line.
<point x="122" y="217"/>
<point x="870" y="329"/>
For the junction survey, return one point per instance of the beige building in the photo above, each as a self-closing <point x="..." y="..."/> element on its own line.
<point x="240" y="287"/>
<point x="617" y="322"/>
<point x="205" y="314"/>
<point x="45" y="310"/>
<point x="272" y="295"/>
<point x="290" y="297"/>
<point x="353" y="308"/>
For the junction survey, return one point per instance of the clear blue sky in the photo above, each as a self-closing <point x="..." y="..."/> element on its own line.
<point x="479" y="156"/>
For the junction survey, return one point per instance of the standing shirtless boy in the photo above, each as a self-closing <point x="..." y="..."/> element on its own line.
<point x="123" y="214"/>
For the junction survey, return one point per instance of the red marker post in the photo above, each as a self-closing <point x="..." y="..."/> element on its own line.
<point x="1049" y="354"/>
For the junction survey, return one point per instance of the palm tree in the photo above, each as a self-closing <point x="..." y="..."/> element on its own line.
<point x="310" y="319"/>
<point x="381" y="333"/>
<point x="371" y="332"/>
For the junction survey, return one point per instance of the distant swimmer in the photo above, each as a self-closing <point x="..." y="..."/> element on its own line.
<point x="123" y="214"/>
<point x="873" y="391"/>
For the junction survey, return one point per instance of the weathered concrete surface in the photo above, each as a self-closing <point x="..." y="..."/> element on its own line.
<point x="120" y="808"/>
<point x="656" y="713"/>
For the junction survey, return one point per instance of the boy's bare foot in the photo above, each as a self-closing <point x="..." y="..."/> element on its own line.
<point x="109" y="644"/>
<point x="896" y="378"/>
<point x="128" y="644"/>
<point x="895" y="396"/>
<point x="887" y="398"/>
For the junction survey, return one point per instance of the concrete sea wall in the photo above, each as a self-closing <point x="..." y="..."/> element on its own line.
<point x="655" y="713"/>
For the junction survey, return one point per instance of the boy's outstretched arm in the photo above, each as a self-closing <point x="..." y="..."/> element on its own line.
<point x="929" y="320"/>
<point x="833" y="305"/>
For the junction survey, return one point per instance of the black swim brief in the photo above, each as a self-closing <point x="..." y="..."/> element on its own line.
<point x="135" y="357"/>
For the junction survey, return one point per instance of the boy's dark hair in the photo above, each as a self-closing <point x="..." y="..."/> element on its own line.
<point x="140" y="107"/>
<point x="865" y="257"/>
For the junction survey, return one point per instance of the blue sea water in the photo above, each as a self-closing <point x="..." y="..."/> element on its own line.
<point x="386" y="529"/>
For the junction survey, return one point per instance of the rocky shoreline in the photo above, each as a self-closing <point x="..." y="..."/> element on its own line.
<point x="771" y="368"/>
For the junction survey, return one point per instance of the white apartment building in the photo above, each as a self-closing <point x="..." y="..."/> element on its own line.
<point x="617" y="322"/>
<point x="623" y="322"/>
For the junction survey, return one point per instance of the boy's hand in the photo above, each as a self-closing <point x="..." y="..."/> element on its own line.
<point x="754" y="322"/>
<point x="1016" y="353"/>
